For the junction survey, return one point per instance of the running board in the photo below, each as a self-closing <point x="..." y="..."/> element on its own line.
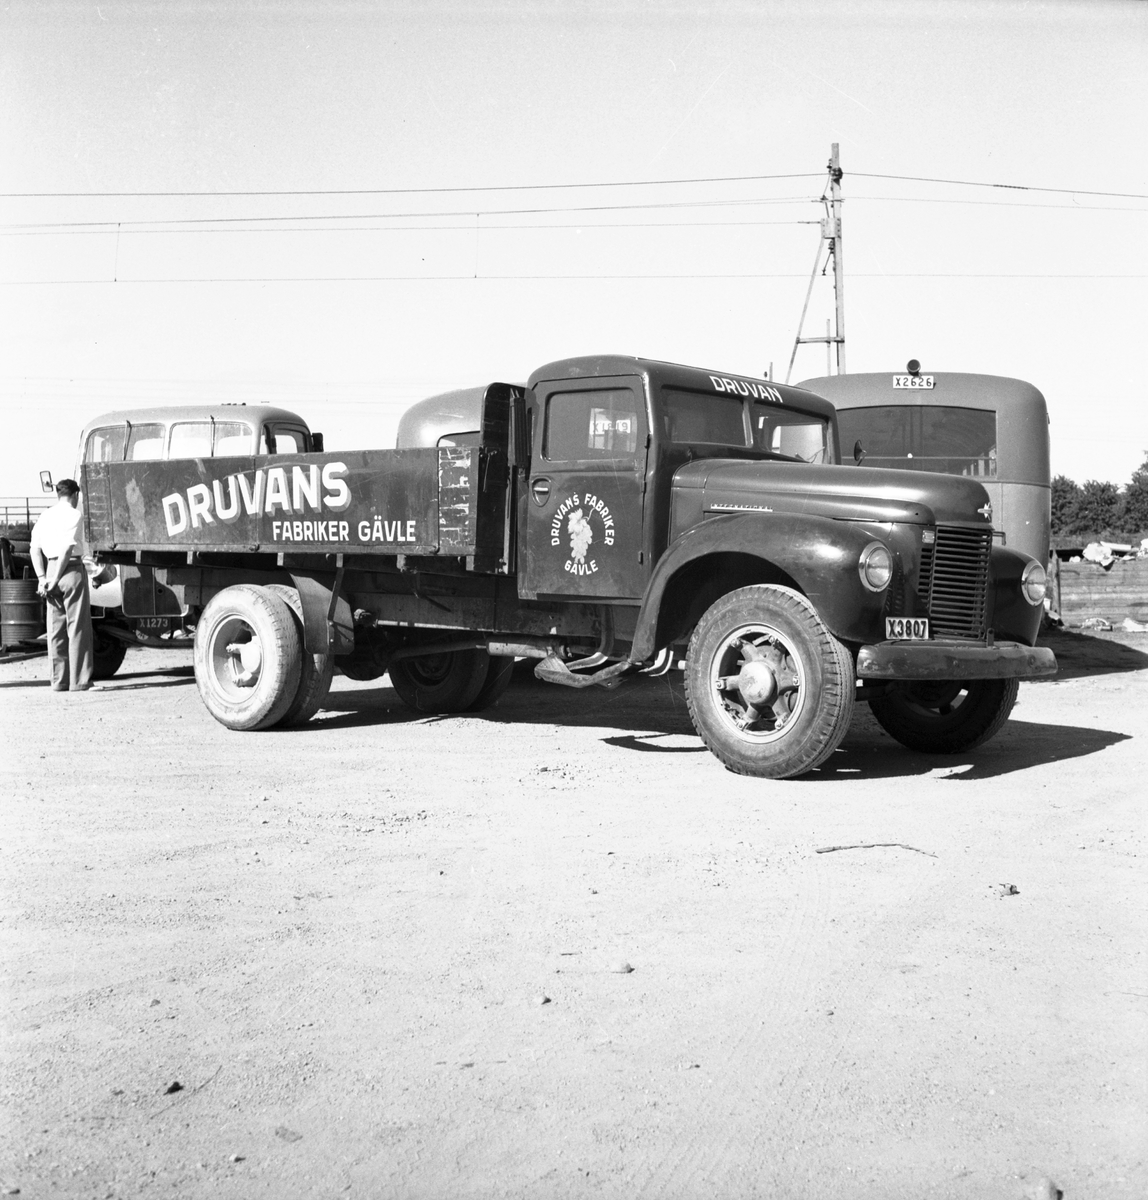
<point x="553" y="670"/>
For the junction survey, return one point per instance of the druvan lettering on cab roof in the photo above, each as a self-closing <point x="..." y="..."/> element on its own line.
<point x="746" y="387"/>
<point x="267" y="490"/>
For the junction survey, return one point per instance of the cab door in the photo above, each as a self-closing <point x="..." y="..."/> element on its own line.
<point x="582" y="513"/>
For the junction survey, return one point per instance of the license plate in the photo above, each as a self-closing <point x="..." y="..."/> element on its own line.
<point x="906" y="629"/>
<point x="153" y="624"/>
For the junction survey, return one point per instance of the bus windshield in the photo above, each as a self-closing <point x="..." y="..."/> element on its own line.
<point x="924" y="437"/>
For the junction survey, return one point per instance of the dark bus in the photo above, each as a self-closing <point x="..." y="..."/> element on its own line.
<point x="989" y="427"/>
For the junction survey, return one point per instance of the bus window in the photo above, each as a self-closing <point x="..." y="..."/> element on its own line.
<point x="190" y="439"/>
<point x="790" y="433"/>
<point x="232" y="438"/>
<point x="145" y="442"/>
<point x="949" y="440"/>
<point x="106" y="445"/>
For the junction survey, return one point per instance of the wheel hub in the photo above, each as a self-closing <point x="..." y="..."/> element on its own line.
<point x="757" y="683"/>
<point x="246" y="660"/>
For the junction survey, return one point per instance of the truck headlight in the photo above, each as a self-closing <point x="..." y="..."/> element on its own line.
<point x="1034" y="583"/>
<point x="875" y="566"/>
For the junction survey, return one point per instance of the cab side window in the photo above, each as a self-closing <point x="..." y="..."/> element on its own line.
<point x="190" y="439"/>
<point x="591" y="425"/>
<point x="232" y="438"/>
<point x="284" y="439"/>
<point x="145" y="442"/>
<point x="106" y="445"/>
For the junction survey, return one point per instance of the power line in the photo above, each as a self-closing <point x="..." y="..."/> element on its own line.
<point x="488" y="278"/>
<point x="82" y="231"/>
<point x="1016" y="187"/>
<point x="468" y="213"/>
<point x="427" y="191"/>
<point x="542" y="187"/>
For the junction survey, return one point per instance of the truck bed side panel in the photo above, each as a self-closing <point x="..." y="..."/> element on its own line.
<point x="383" y="501"/>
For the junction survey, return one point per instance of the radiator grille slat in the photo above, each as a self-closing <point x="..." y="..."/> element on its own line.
<point x="954" y="581"/>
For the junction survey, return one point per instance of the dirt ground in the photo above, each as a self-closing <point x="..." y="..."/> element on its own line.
<point x="555" y="950"/>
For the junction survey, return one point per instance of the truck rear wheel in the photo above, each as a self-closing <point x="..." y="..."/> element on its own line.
<point x="316" y="670"/>
<point x="248" y="657"/>
<point x="107" y="652"/>
<point x="498" y="676"/>
<point x="441" y="683"/>
<point x="769" y="688"/>
<point x="947" y="716"/>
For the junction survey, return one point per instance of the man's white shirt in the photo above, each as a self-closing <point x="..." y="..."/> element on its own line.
<point x="59" y="529"/>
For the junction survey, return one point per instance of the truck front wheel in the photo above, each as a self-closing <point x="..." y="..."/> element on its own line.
<point x="948" y="716"/>
<point x="248" y="657"/>
<point x="441" y="683"/>
<point x="769" y="688"/>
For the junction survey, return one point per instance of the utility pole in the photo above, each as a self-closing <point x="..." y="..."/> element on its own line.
<point x="838" y="252"/>
<point x="831" y="240"/>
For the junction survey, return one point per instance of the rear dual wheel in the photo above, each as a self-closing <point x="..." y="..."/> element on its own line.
<point x="453" y="682"/>
<point x="248" y="657"/>
<point x="315" y="670"/>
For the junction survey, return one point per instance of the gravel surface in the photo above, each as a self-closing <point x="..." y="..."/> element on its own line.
<point x="555" y="950"/>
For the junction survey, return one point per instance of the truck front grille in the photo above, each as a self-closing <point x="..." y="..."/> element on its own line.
<point x="954" y="581"/>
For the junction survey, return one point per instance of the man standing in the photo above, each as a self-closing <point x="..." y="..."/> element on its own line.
<point x="57" y="558"/>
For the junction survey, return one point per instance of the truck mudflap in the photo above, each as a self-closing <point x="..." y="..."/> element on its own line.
<point x="954" y="660"/>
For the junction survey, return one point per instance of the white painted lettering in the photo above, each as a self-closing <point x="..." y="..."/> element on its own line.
<point x="337" y="496"/>
<point x="305" y="486"/>
<point x="174" y="514"/>
<point x="199" y="505"/>
<point x="230" y="511"/>
<point x="252" y="493"/>
<point x="277" y="491"/>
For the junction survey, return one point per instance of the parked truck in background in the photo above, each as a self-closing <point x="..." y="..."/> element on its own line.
<point x="129" y="606"/>
<point x="613" y="516"/>
<point x="987" y="427"/>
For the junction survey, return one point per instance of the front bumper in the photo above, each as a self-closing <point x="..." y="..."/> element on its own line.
<point x="954" y="660"/>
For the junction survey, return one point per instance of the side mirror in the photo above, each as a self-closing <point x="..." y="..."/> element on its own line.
<point x="858" y="452"/>
<point x="317" y="443"/>
<point x="46" y="481"/>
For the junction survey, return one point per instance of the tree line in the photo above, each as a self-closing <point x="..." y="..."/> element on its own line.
<point x="1099" y="511"/>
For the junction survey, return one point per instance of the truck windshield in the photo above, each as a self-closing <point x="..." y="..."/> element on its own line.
<point x="924" y="437"/>
<point x="699" y="418"/>
<point x="791" y="434"/>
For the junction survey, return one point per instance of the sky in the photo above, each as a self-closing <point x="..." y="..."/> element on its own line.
<point x="343" y="208"/>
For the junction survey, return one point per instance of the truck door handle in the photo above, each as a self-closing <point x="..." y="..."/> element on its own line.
<point x="540" y="490"/>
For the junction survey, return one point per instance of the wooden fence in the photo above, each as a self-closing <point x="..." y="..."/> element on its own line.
<point x="1083" y="589"/>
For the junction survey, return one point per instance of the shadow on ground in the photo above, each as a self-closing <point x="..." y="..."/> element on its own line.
<point x="649" y="716"/>
<point x="1080" y="654"/>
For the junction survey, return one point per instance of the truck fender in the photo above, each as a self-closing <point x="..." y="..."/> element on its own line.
<point x="1010" y="616"/>
<point x="816" y="556"/>
<point x="328" y="626"/>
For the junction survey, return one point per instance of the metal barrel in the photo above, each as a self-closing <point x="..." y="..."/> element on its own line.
<point x="21" y="612"/>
